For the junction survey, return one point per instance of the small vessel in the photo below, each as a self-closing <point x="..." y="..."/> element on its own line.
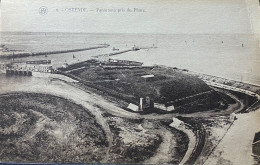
<point x="115" y="49"/>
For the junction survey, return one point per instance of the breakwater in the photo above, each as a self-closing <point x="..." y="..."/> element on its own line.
<point x="122" y="51"/>
<point x="114" y="53"/>
<point x="26" y="54"/>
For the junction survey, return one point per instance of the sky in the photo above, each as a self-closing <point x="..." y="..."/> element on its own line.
<point x="131" y="16"/>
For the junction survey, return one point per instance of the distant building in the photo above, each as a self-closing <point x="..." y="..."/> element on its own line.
<point x="3" y="66"/>
<point x="133" y="107"/>
<point x="164" y="107"/>
<point x="26" y="68"/>
<point x="65" y="65"/>
<point x="44" y="68"/>
<point x="144" y="105"/>
<point x="232" y="117"/>
<point x="123" y="62"/>
<point x="149" y="77"/>
<point x="39" y="62"/>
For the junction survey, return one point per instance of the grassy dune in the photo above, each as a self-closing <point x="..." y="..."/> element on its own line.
<point x="45" y="128"/>
<point x="167" y="85"/>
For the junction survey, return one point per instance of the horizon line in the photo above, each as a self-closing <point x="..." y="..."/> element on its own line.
<point x="116" y="32"/>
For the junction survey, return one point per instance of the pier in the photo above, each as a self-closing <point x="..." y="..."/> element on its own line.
<point x="26" y="54"/>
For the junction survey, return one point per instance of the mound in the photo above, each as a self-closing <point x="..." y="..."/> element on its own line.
<point x="161" y="84"/>
<point x="45" y="128"/>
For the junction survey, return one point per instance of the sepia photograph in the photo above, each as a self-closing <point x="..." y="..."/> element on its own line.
<point x="130" y="82"/>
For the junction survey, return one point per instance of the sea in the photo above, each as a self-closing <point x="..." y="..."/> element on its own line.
<point x="232" y="56"/>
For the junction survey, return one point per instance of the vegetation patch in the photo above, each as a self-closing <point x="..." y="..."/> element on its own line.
<point x="45" y="128"/>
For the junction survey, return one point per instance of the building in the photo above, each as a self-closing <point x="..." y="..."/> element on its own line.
<point x="133" y="107"/>
<point x="44" y="68"/>
<point x="144" y="105"/>
<point x="65" y="65"/>
<point x="164" y="107"/>
<point x="3" y="66"/>
<point x="232" y="117"/>
<point x="27" y="69"/>
<point x="176" y="123"/>
<point x="39" y="62"/>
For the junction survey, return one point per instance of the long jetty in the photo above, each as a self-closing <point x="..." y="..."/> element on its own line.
<point x="123" y="51"/>
<point x="114" y="53"/>
<point x="26" y="54"/>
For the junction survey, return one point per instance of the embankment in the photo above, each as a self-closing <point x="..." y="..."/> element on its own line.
<point x="228" y="82"/>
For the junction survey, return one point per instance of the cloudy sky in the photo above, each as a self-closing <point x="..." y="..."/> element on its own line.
<point x="131" y="16"/>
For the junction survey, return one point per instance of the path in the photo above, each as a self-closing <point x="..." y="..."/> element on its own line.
<point x="236" y="146"/>
<point x="191" y="146"/>
<point x="164" y="151"/>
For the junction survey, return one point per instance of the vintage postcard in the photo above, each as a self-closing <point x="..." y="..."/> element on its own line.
<point x="130" y="82"/>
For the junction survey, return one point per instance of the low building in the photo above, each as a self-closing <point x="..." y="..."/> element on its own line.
<point x="144" y="105"/>
<point x="3" y="66"/>
<point x="149" y="77"/>
<point x="133" y="107"/>
<point x="232" y="117"/>
<point x="164" y="107"/>
<point x="44" y="68"/>
<point x="176" y="123"/>
<point x="39" y="62"/>
<point x="65" y="65"/>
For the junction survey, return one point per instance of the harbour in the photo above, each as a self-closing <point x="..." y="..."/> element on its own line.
<point x="130" y="82"/>
<point x="143" y="101"/>
<point x="199" y="49"/>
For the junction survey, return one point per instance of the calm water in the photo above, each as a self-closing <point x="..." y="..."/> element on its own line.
<point x="220" y="55"/>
